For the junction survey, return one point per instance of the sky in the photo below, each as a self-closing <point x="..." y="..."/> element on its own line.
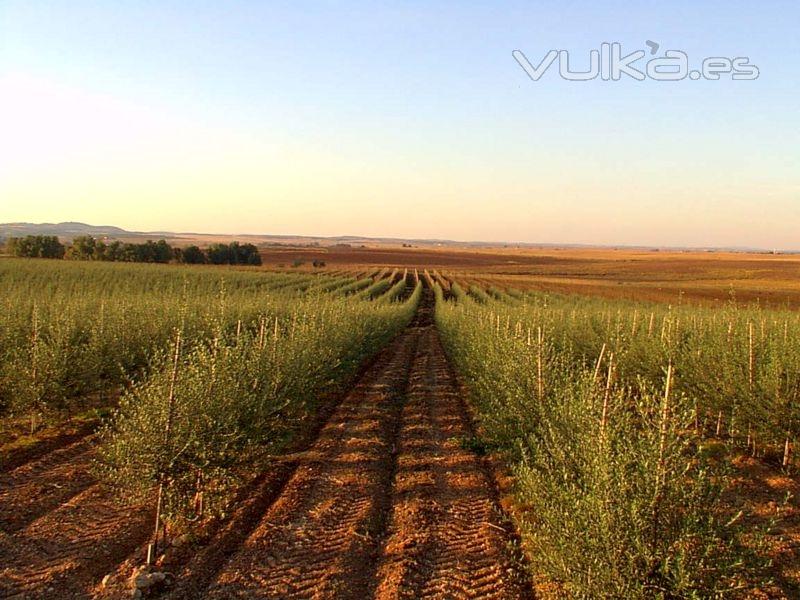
<point x="406" y="119"/>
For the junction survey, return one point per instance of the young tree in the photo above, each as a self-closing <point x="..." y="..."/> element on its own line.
<point x="100" y="250"/>
<point x="161" y="251"/>
<point x="51" y="247"/>
<point x="11" y="246"/>
<point x="113" y="251"/>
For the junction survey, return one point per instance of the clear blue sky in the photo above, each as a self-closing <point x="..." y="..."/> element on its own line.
<point x="405" y="119"/>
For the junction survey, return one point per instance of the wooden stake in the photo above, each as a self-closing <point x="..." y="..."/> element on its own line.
<point x="607" y="395"/>
<point x="599" y="362"/>
<point x="661" y="475"/>
<point x="540" y="383"/>
<point x="787" y="449"/>
<point x="167" y="438"/>
<point x="34" y="362"/>
<point x="261" y="331"/>
<point x="751" y="362"/>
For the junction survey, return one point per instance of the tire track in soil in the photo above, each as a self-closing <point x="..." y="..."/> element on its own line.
<point x="37" y="487"/>
<point x="63" y="553"/>
<point x="445" y="535"/>
<point x="61" y="531"/>
<point x="321" y="535"/>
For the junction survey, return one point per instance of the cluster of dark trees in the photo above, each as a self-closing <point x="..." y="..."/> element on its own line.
<point x="36" y="246"/>
<point x="230" y="254"/>
<point x="86" y="247"/>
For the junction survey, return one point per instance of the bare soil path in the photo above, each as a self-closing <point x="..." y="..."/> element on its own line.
<point x="444" y="536"/>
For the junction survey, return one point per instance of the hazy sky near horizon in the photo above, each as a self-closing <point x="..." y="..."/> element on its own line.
<point x="407" y="119"/>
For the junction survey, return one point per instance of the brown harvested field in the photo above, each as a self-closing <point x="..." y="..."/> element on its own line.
<point x="666" y="276"/>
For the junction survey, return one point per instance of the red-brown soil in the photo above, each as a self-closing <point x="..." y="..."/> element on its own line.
<point x="61" y="530"/>
<point x="770" y="501"/>
<point x="42" y="485"/>
<point x="19" y="447"/>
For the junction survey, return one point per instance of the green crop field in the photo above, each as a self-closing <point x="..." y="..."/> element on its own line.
<point x="641" y="449"/>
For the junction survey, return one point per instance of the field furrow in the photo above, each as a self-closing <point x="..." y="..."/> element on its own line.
<point x="32" y="490"/>
<point x="445" y="537"/>
<point x="63" y="553"/>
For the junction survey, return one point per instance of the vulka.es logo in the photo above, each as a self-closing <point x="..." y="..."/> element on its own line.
<point x="609" y="64"/>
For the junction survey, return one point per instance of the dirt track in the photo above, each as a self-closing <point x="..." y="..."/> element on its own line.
<point x="384" y="503"/>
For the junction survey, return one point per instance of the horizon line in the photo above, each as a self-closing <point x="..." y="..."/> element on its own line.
<point x="490" y="243"/>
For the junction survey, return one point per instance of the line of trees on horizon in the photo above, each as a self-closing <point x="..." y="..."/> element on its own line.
<point x="86" y="247"/>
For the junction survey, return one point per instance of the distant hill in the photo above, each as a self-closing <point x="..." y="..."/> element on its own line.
<point x="63" y="230"/>
<point x="67" y="231"/>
